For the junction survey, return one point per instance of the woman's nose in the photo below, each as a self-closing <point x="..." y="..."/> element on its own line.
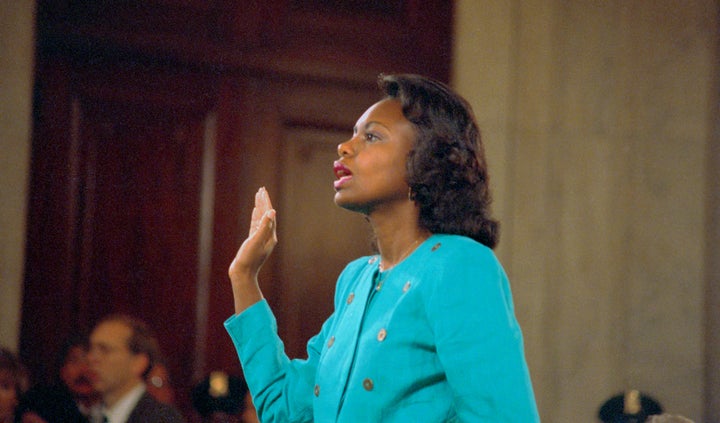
<point x="344" y="148"/>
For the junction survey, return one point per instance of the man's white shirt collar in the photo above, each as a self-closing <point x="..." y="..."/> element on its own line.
<point x="120" y="412"/>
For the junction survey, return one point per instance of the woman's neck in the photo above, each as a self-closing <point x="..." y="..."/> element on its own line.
<point x="397" y="235"/>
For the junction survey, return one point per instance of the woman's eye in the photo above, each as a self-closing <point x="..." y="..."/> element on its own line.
<point x="371" y="137"/>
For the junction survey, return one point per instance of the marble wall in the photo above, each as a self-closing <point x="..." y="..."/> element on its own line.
<point x="598" y="119"/>
<point x="16" y="67"/>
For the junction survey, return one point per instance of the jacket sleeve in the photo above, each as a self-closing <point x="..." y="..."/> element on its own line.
<point x="281" y="388"/>
<point x="479" y="341"/>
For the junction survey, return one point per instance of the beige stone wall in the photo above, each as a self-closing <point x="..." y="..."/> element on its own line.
<point x="16" y="65"/>
<point x="598" y="118"/>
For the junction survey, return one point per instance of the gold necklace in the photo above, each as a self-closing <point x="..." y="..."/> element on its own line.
<point x="404" y="255"/>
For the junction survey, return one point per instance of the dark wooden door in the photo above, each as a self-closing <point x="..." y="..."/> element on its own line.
<point x="125" y="166"/>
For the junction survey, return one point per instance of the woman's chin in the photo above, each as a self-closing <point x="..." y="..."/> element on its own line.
<point x="343" y="202"/>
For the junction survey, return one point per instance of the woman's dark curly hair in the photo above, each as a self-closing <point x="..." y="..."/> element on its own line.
<point x="446" y="169"/>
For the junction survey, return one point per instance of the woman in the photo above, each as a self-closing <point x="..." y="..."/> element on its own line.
<point x="14" y="382"/>
<point x="71" y="397"/>
<point x="425" y="329"/>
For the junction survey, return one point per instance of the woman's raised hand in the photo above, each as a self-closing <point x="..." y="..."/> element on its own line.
<point x="252" y="254"/>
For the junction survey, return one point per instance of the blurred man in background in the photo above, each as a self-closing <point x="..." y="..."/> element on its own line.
<point x="123" y="350"/>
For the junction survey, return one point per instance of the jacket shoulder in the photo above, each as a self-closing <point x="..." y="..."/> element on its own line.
<point x="149" y="410"/>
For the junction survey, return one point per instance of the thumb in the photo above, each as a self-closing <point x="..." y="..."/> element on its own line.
<point x="267" y="231"/>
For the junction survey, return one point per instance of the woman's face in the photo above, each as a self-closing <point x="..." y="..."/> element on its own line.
<point x="8" y="396"/>
<point x="371" y="170"/>
<point x="75" y="372"/>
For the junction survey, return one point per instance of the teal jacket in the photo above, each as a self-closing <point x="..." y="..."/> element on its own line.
<point x="434" y="339"/>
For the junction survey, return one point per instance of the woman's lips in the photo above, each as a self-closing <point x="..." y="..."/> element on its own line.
<point x="342" y="181"/>
<point x="342" y="174"/>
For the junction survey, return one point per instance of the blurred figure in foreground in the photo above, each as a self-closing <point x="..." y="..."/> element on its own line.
<point x="222" y="398"/>
<point x="629" y="407"/>
<point x="71" y="398"/>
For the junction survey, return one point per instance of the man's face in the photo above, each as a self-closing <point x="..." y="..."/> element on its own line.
<point x="116" y="370"/>
<point x="75" y="372"/>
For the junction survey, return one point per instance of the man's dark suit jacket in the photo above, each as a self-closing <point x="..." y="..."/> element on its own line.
<point x="149" y="410"/>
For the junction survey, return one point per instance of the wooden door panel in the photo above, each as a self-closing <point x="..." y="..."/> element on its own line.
<point x="142" y="238"/>
<point x="143" y="246"/>
<point x="140" y="243"/>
